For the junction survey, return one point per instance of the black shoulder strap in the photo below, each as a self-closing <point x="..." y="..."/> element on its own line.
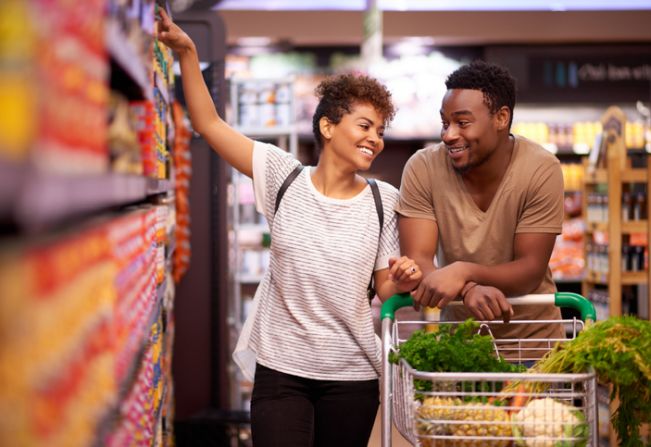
<point x="288" y="181"/>
<point x="372" y="183"/>
<point x="380" y="215"/>
<point x="378" y="201"/>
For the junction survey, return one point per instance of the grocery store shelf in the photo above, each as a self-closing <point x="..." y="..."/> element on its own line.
<point x="634" y="226"/>
<point x="596" y="277"/>
<point x="157" y="186"/>
<point x="633" y="175"/>
<point x="628" y="227"/>
<point x="627" y="278"/>
<point x="633" y="278"/>
<point x="51" y="198"/>
<point x="591" y="227"/>
<point x="126" y="383"/>
<point x="596" y="176"/>
<point x="10" y="179"/>
<point x="636" y="175"/>
<point x="126" y="57"/>
<point x="568" y="280"/>
<point x="262" y="132"/>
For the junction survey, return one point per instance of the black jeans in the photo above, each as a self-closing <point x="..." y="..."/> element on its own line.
<point x="290" y="411"/>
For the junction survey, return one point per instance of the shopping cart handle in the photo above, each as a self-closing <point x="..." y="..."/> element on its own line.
<point x="394" y="303"/>
<point x="559" y="299"/>
<point x="576" y="302"/>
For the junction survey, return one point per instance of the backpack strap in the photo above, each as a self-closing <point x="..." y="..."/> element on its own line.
<point x="288" y="181"/>
<point x="378" y="201"/>
<point x="380" y="215"/>
<point x="377" y="198"/>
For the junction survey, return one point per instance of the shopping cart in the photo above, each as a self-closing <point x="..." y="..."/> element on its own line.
<point x="478" y="409"/>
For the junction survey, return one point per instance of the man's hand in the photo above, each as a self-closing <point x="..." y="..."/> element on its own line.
<point x="487" y="303"/>
<point x="441" y="286"/>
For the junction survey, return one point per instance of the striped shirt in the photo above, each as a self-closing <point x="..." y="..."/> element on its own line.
<point x="311" y="317"/>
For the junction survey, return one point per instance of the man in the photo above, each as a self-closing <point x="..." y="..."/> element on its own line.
<point x="490" y="201"/>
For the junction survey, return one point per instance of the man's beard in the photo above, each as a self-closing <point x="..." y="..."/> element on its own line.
<point x="472" y="164"/>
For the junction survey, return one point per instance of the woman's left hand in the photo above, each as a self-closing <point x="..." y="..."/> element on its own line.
<point x="405" y="273"/>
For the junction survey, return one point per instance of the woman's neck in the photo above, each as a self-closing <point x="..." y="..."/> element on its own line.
<point x="335" y="182"/>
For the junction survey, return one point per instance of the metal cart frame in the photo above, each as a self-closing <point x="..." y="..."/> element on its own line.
<point x="399" y="406"/>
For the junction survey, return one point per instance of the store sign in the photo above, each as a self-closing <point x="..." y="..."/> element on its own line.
<point x="613" y="72"/>
<point x="598" y="78"/>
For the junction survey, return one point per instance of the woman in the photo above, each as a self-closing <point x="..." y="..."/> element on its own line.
<point x="310" y="339"/>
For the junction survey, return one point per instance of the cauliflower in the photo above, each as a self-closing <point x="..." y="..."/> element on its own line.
<point x="550" y="423"/>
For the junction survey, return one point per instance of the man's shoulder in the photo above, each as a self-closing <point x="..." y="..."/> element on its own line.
<point x="428" y="157"/>
<point x="430" y="150"/>
<point x="533" y="153"/>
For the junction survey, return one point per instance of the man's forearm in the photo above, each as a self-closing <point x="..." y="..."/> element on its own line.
<point x="425" y="264"/>
<point x="512" y="278"/>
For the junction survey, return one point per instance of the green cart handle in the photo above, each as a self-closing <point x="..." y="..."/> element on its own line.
<point x="559" y="299"/>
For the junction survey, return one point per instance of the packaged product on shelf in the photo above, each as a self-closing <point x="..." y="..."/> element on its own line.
<point x="137" y="412"/>
<point x="634" y="135"/>
<point x="248" y="213"/>
<point x="56" y="356"/>
<point x="262" y="104"/>
<point x="249" y="115"/>
<point x="18" y="96"/>
<point x="133" y="246"/>
<point x="567" y="259"/>
<point x="268" y="115"/>
<point x="182" y="160"/>
<point x="639" y="206"/>
<point x="284" y="114"/>
<point x="572" y="176"/>
<point x="72" y="69"/>
<point x="123" y="142"/>
<point x="160" y="134"/>
<point x="143" y="113"/>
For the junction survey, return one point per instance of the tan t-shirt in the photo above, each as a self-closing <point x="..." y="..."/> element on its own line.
<point x="529" y="200"/>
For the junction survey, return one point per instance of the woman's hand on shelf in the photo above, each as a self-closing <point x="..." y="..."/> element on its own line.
<point x="172" y="35"/>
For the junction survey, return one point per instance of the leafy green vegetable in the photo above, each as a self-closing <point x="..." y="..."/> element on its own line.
<point x="619" y="350"/>
<point x="452" y="349"/>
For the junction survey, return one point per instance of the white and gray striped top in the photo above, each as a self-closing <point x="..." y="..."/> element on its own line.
<point x="311" y="315"/>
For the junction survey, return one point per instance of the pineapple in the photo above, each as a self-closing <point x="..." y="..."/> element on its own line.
<point x="433" y="409"/>
<point x="480" y="420"/>
<point x="485" y="420"/>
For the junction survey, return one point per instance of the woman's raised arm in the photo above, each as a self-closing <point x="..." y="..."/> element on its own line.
<point x="231" y="145"/>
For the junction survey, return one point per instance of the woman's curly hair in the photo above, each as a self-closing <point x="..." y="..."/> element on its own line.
<point x="338" y="93"/>
<point x="494" y="81"/>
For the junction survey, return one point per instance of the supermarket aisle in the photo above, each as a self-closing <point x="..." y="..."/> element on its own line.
<point x="396" y="438"/>
<point x="91" y="240"/>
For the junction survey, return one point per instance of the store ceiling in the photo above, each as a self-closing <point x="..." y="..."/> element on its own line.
<point x="436" y="5"/>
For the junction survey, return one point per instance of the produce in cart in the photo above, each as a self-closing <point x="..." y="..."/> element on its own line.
<point x="453" y="387"/>
<point x="494" y="422"/>
<point x="453" y="348"/>
<point x="619" y="350"/>
<point x="458" y="348"/>
<point x="543" y="421"/>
